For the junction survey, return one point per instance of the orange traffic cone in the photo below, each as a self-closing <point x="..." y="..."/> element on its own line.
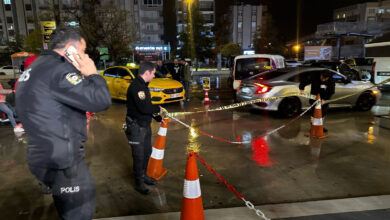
<point x="155" y="166"/>
<point x="317" y="129"/>
<point x="192" y="207"/>
<point x="206" y="98"/>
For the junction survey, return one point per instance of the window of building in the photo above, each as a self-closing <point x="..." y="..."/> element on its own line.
<point x="253" y="27"/>
<point x="381" y="11"/>
<point x="387" y="10"/>
<point x="254" y="11"/>
<point x="7" y="7"/>
<point x="9" y="20"/>
<point x="11" y="32"/>
<point x="343" y="15"/>
<point x="338" y="16"/>
<point x="7" y="2"/>
<point x="28" y="7"/>
<point x="239" y="26"/>
<point x="152" y="3"/>
<point x="254" y="18"/>
<point x="135" y="2"/>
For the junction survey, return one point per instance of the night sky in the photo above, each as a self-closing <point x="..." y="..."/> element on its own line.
<point x="313" y="12"/>
<point x="284" y="13"/>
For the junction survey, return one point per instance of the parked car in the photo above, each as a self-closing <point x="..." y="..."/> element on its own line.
<point x="293" y="63"/>
<point x="246" y="66"/>
<point x="283" y="81"/>
<point x="162" y="90"/>
<point x="7" y="70"/>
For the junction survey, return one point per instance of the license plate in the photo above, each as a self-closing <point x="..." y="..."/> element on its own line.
<point x="245" y="90"/>
<point x="383" y="73"/>
<point x="175" y="95"/>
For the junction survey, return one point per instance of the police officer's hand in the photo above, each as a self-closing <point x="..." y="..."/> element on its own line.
<point x="85" y="65"/>
<point x="301" y="92"/>
<point x="322" y="102"/>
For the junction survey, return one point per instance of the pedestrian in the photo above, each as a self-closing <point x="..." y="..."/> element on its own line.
<point x="140" y="112"/>
<point x="322" y="84"/>
<point x="52" y="99"/>
<point x="175" y="71"/>
<point x="27" y="63"/>
<point x="185" y="75"/>
<point x="8" y="110"/>
<point x="161" y="70"/>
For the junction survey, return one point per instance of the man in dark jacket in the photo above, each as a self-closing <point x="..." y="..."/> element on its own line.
<point x="185" y="75"/>
<point x="322" y="84"/>
<point x="161" y="70"/>
<point x="140" y="112"/>
<point x="52" y="97"/>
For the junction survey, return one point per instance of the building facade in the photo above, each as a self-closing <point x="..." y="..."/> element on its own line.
<point x="17" y="17"/>
<point x="247" y="18"/>
<point x="21" y="17"/>
<point x="206" y="8"/>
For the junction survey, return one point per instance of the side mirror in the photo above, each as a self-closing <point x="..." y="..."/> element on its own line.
<point x="346" y="80"/>
<point x="127" y="78"/>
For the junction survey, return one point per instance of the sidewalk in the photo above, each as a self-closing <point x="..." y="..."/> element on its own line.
<point x="372" y="208"/>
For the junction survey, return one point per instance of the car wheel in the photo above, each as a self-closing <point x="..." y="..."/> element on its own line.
<point x="290" y="107"/>
<point x="365" y="102"/>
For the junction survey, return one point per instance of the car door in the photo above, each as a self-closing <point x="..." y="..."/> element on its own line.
<point x="296" y="80"/>
<point x="343" y="87"/>
<point x="122" y="82"/>
<point x="110" y="75"/>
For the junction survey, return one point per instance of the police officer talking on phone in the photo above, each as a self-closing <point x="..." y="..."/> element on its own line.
<point x="140" y="112"/>
<point x="52" y="97"/>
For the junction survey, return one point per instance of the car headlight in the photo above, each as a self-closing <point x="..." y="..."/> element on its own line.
<point x="153" y="89"/>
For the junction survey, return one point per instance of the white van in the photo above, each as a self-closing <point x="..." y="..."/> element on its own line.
<point x="380" y="53"/>
<point x="248" y="65"/>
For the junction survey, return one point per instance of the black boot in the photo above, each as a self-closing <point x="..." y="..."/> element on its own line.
<point x="140" y="186"/>
<point x="149" y="180"/>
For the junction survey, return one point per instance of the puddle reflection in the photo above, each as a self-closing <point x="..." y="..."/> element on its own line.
<point x="261" y="152"/>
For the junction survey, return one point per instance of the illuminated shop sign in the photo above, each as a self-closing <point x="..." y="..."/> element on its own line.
<point x="164" y="48"/>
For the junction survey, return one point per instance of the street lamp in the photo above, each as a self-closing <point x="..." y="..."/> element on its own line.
<point x="297" y="47"/>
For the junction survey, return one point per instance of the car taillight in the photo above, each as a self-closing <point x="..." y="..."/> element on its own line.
<point x="261" y="89"/>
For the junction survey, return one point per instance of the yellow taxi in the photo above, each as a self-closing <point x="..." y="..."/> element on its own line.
<point x="162" y="90"/>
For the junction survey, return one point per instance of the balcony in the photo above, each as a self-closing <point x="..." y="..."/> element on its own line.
<point x="337" y="28"/>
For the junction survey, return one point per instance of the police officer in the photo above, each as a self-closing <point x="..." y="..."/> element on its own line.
<point x="140" y="112"/>
<point x="321" y="83"/>
<point x="52" y="97"/>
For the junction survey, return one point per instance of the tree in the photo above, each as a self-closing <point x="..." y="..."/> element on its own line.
<point x="101" y="25"/>
<point x="266" y="38"/>
<point x="230" y="49"/>
<point x="201" y="42"/>
<point x="33" y="42"/>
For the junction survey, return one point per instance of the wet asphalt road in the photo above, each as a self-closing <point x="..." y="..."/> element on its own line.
<point x="283" y="167"/>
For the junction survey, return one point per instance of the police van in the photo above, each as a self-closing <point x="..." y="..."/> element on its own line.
<point x="246" y="66"/>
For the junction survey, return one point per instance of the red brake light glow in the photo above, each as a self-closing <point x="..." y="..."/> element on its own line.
<point x="261" y="89"/>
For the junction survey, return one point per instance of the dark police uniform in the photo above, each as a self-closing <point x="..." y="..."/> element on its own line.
<point x="52" y="98"/>
<point x="140" y="111"/>
<point x="326" y="89"/>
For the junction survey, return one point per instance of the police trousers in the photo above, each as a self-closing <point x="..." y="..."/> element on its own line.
<point x="140" y="141"/>
<point x="74" y="190"/>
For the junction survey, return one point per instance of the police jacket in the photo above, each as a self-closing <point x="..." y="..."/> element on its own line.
<point x="326" y="89"/>
<point x="139" y="103"/>
<point x="52" y="98"/>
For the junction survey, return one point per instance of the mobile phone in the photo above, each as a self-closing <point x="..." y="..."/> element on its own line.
<point x="70" y="52"/>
